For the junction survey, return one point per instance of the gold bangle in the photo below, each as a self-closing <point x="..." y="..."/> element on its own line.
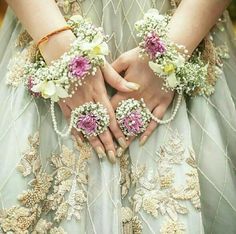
<point x="46" y="38"/>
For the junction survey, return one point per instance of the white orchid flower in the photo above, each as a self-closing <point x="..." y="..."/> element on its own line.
<point x="156" y="67"/>
<point x="171" y="80"/>
<point x="96" y="47"/>
<point x="170" y="77"/>
<point x="48" y="89"/>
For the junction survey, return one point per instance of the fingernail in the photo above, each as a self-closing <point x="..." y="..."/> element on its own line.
<point x="143" y="140"/>
<point x="79" y="141"/>
<point x="115" y="145"/>
<point x="100" y="152"/>
<point x="133" y="86"/>
<point x="119" y="152"/>
<point x="122" y="142"/>
<point x="111" y="156"/>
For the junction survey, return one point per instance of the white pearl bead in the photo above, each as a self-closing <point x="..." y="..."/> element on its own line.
<point x="173" y="114"/>
<point x="54" y="121"/>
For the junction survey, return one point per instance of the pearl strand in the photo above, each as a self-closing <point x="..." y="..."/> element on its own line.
<point x="54" y="121"/>
<point x="159" y="121"/>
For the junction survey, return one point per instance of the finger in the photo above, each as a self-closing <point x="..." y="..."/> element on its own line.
<point x="107" y="141"/>
<point x="120" y="151"/>
<point x="114" y="127"/>
<point x="94" y="141"/>
<point x="116" y="81"/>
<point x="159" y="112"/>
<point x="106" y="137"/>
<point x="78" y="137"/>
<point x="120" y="64"/>
<point x="117" y="98"/>
<point x="98" y="146"/>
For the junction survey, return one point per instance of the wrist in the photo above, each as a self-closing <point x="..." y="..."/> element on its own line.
<point x="56" y="45"/>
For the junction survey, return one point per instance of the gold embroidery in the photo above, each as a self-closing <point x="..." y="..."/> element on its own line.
<point x="57" y="230"/>
<point x="23" y="39"/>
<point x="71" y="176"/>
<point x="125" y="180"/>
<point x="42" y="227"/>
<point x="17" y="219"/>
<point x="191" y="191"/>
<point x="157" y="192"/>
<point x="41" y="185"/>
<point x="172" y="227"/>
<point x="15" y="74"/>
<point x="63" y="192"/>
<point x="131" y="223"/>
<point x="69" y="7"/>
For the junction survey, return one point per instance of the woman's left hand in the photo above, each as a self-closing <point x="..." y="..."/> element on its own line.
<point x="137" y="70"/>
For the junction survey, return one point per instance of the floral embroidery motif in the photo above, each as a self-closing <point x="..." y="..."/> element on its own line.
<point x="157" y="192"/>
<point x="71" y="179"/>
<point x="70" y="7"/>
<point x="125" y="180"/>
<point x="62" y="192"/>
<point x="172" y="227"/>
<point x="131" y="223"/>
<point x="23" y="39"/>
<point x="14" y="76"/>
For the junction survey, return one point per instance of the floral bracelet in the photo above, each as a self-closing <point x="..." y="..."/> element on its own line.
<point x="64" y="75"/>
<point x="180" y="72"/>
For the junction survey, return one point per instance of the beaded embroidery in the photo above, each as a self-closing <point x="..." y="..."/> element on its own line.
<point x="156" y="192"/>
<point x="62" y="193"/>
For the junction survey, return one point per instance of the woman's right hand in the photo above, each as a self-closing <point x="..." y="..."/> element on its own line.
<point x="93" y="90"/>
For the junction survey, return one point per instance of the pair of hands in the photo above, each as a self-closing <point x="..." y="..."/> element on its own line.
<point x="138" y="82"/>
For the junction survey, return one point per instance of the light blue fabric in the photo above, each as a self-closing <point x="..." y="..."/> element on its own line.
<point x="137" y="191"/>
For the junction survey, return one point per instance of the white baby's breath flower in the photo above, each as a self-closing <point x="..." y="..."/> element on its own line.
<point x="76" y="18"/>
<point x="180" y="61"/>
<point x="153" y="14"/>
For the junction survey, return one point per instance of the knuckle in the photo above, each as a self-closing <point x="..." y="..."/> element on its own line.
<point x="118" y="80"/>
<point x="93" y="141"/>
<point x="67" y="115"/>
<point x="121" y="59"/>
<point x="115" y="130"/>
<point x="107" y="142"/>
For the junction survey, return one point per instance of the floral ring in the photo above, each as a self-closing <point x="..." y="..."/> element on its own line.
<point x="133" y="116"/>
<point x="91" y="119"/>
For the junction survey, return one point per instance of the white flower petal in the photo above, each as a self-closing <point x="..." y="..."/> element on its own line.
<point x="98" y="39"/>
<point x="85" y="46"/>
<point x="155" y="67"/>
<point x="49" y="88"/>
<point x="104" y="48"/>
<point x="37" y="88"/>
<point x="55" y="98"/>
<point x="61" y="92"/>
<point x="172" y="81"/>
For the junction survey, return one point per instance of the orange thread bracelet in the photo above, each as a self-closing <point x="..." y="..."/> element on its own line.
<point x="46" y="38"/>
